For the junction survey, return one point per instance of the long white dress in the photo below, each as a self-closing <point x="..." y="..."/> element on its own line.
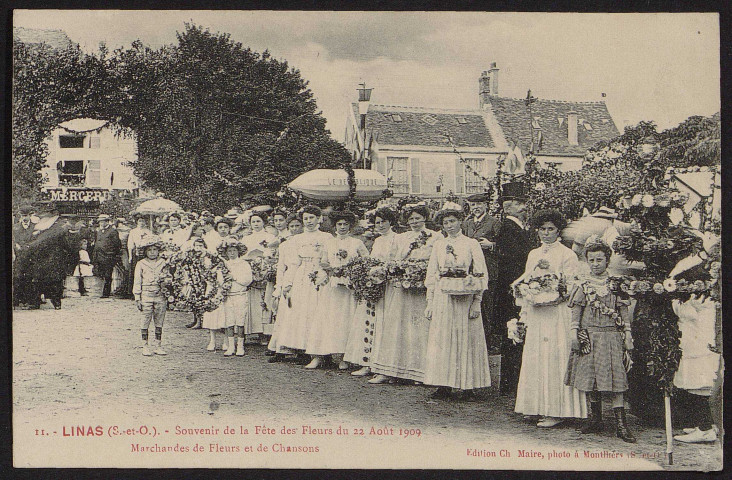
<point x="285" y="260"/>
<point x="215" y="319"/>
<point x="457" y="355"/>
<point x="541" y="388"/>
<point x="328" y="333"/>
<point x="699" y="365"/>
<point x="260" y="299"/>
<point x="310" y="250"/>
<point x="368" y="314"/>
<point x="400" y="340"/>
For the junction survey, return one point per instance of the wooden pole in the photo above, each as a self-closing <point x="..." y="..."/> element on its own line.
<point x="669" y="431"/>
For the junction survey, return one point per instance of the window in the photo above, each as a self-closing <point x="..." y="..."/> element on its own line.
<point x="398" y="176"/>
<point x="429" y="119"/>
<point x="71" y="173"/>
<point x="71" y="141"/>
<point x="462" y="120"/>
<point x="94" y="142"/>
<point x="475" y="168"/>
<point x="396" y="118"/>
<point x="588" y="127"/>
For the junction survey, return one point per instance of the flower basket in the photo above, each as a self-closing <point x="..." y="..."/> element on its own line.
<point x="542" y="291"/>
<point x="468" y="285"/>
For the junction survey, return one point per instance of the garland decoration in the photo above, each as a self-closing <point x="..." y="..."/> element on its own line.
<point x="196" y="285"/>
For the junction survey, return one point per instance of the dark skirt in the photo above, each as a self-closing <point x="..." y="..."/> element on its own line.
<point x="602" y="369"/>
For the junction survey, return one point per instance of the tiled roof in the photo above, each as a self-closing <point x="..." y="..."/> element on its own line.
<point x="396" y="125"/>
<point x="551" y="116"/>
<point x="54" y="38"/>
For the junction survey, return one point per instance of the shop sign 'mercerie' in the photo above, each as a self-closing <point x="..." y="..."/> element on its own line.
<point x="78" y="195"/>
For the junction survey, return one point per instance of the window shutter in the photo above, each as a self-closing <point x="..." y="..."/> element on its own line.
<point x="416" y="176"/>
<point x="381" y="166"/>
<point x="459" y="176"/>
<point x="93" y="173"/>
<point x="94" y="142"/>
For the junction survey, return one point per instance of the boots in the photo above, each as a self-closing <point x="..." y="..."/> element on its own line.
<point x="623" y="431"/>
<point x="159" y="348"/>
<point x="594" y="425"/>
<point x="239" y="346"/>
<point x="146" y="349"/>
<point x="230" y="347"/>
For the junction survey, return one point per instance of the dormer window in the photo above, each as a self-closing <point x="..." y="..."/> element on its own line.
<point x="396" y="118"/>
<point x="462" y="120"/>
<point x="429" y="119"/>
<point x="588" y="127"/>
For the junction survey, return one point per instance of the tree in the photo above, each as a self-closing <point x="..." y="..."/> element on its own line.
<point x="217" y="123"/>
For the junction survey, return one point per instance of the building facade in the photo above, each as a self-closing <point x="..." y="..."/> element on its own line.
<point x="87" y="160"/>
<point x="433" y="152"/>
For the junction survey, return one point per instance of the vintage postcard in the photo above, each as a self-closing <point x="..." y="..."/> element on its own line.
<point x="366" y="240"/>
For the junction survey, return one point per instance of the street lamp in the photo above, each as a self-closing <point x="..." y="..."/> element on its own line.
<point x="364" y="98"/>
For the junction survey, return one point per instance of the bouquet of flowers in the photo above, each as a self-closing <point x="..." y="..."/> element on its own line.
<point x="541" y="289"/>
<point x="516" y="331"/>
<point x="318" y="278"/>
<point x="264" y="269"/>
<point x="195" y="281"/>
<point x="409" y="273"/>
<point x="368" y="278"/>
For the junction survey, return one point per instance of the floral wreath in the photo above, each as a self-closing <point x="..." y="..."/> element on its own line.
<point x="196" y="285"/>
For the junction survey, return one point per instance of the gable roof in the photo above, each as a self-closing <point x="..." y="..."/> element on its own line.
<point x="551" y="117"/>
<point x="399" y="125"/>
<point x="54" y="38"/>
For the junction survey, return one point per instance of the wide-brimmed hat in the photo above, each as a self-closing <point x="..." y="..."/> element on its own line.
<point x="420" y="208"/>
<point x="150" y="241"/>
<point x="232" y="241"/>
<point x="104" y="218"/>
<point x="605" y="212"/>
<point x="350" y="217"/>
<point x="450" y="209"/>
<point x="231" y="214"/>
<point x="513" y="191"/>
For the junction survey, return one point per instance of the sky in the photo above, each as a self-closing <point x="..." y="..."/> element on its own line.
<point x="658" y="67"/>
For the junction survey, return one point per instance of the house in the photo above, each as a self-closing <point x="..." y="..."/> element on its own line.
<point x="56" y="39"/>
<point x="415" y="147"/>
<point x="87" y="160"/>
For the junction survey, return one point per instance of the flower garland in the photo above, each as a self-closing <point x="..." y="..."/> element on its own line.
<point x="195" y="283"/>
<point x="419" y="242"/>
<point x="669" y="289"/>
<point x="264" y="269"/>
<point x="593" y="293"/>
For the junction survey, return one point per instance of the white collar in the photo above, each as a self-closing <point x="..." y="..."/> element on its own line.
<point x="519" y="222"/>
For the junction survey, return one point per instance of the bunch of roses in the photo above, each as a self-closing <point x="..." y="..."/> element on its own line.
<point x="368" y="278"/>
<point x="409" y="273"/>
<point x="195" y="281"/>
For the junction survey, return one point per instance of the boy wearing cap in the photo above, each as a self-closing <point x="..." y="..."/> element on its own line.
<point x="150" y="274"/>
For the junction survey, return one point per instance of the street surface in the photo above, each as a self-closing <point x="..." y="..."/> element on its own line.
<point x="82" y="365"/>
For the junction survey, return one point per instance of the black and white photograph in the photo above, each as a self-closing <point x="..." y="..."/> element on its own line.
<point x="366" y="240"/>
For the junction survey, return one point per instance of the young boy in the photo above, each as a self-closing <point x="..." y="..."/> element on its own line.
<point x="150" y="275"/>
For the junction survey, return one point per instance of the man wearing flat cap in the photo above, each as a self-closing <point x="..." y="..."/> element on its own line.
<point x="106" y="254"/>
<point x="513" y="244"/>
<point x="484" y="228"/>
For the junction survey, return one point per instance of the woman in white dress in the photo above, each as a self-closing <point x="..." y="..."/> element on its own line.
<point x="304" y="283"/>
<point x="547" y="346"/>
<point x="213" y="239"/>
<point x="260" y="296"/>
<point x="281" y="306"/>
<point x="328" y="333"/>
<point x="368" y="314"/>
<point x="236" y="309"/>
<point x="400" y="341"/>
<point x="457" y="356"/>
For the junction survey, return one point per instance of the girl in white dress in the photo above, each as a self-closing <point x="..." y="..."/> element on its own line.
<point x="328" y="334"/>
<point x="281" y="306"/>
<point x="368" y="314"/>
<point x="215" y="320"/>
<point x="400" y="341"/>
<point x="236" y="309"/>
<point x="260" y="296"/>
<point x="304" y="283"/>
<point x="547" y="346"/>
<point x="457" y="356"/>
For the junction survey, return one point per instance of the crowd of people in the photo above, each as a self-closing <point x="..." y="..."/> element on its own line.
<point x="557" y="351"/>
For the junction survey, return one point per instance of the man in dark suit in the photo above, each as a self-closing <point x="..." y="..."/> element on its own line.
<point x="484" y="228"/>
<point x="513" y="245"/>
<point x="106" y="254"/>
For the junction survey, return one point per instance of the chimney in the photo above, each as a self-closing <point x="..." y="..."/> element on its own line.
<point x="572" y="127"/>
<point x="488" y="85"/>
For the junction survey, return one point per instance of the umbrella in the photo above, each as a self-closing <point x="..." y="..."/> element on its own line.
<point x="158" y="206"/>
